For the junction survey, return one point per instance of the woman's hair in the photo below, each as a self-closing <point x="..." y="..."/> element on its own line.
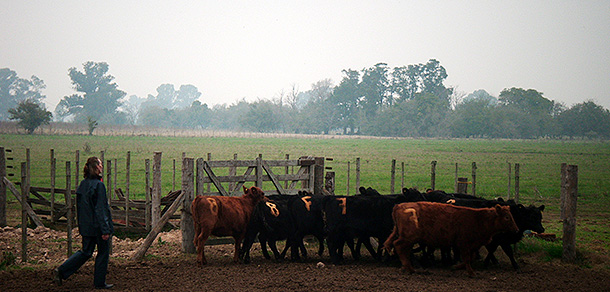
<point x="90" y="169"/>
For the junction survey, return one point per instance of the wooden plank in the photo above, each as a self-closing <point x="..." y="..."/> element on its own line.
<point x="212" y="176"/>
<point x="275" y="181"/>
<point x="27" y="207"/>
<point x="240" y="184"/>
<point x="48" y="190"/>
<point x="139" y="254"/>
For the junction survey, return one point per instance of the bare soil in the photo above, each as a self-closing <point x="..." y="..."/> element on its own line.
<point x="166" y="268"/>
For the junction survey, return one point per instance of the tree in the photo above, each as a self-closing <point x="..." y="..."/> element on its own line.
<point x="420" y="78"/>
<point x="374" y="88"/>
<point x="91" y="124"/>
<point x="98" y="97"/>
<point x="345" y="100"/>
<point x="170" y="98"/>
<point x="30" y="115"/>
<point x="14" y="90"/>
<point x="585" y="119"/>
<point x="534" y="108"/>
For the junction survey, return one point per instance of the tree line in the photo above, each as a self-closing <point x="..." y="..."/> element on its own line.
<point x="406" y="101"/>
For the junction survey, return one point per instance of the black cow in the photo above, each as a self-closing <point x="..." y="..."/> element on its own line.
<point x="361" y="217"/>
<point x="271" y="221"/>
<point x="527" y="218"/>
<point x="289" y="217"/>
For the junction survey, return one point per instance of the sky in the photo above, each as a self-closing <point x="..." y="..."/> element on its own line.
<point x="234" y="50"/>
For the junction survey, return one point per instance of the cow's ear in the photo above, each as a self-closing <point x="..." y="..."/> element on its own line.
<point x="245" y="189"/>
<point x="498" y="208"/>
<point x="541" y="208"/>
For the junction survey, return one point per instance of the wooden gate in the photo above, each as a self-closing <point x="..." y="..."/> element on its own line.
<point x="287" y="177"/>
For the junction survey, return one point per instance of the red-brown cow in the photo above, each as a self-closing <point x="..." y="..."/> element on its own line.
<point x="443" y="225"/>
<point x="223" y="216"/>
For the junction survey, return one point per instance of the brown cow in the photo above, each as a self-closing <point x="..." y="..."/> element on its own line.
<point x="223" y="216"/>
<point x="443" y="225"/>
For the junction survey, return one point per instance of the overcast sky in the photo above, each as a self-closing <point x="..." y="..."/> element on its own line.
<point x="232" y="50"/>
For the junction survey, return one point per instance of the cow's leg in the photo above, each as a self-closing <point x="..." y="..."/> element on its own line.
<point x="263" y="242"/>
<point x="273" y="248"/>
<point x="200" y="244"/>
<point x="369" y="247"/>
<point x="491" y="249"/>
<point x="404" y="251"/>
<point x="320" y="244"/>
<point x="509" y="252"/>
<point x="238" y="239"/>
<point x="467" y="256"/>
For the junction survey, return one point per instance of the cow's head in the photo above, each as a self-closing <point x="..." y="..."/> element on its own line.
<point x="505" y="218"/>
<point x="254" y="193"/>
<point x="529" y="218"/>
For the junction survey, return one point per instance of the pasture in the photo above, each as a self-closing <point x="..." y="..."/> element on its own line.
<point x="539" y="160"/>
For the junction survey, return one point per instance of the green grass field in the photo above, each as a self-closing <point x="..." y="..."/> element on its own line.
<point x="539" y="180"/>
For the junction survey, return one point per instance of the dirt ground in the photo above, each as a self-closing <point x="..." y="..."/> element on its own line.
<point x="165" y="268"/>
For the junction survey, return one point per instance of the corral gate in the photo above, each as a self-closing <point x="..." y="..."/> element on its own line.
<point x="305" y="173"/>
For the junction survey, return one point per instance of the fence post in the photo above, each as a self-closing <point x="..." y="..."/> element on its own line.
<point x="402" y="176"/>
<point x="393" y="176"/>
<point x="24" y="214"/>
<point x="474" y="178"/>
<point x="455" y="181"/>
<point x="156" y="194"/>
<point x="147" y="215"/>
<point x="318" y="169"/>
<point x="286" y="170"/>
<point x="433" y="175"/>
<point x="2" y="187"/>
<point x="127" y="167"/>
<point x="70" y="208"/>
<point x="209" y="185"/>
<point x="53" y="172"/>
<point x="233" y="172"/>
<point x="199" y="175"/>
<point x="357" y="175"/>
<point x="348" y="173"/>
<point x="329" y="184"/>
<point x="186" y="218"/>
<point x="509" y="176"/>
<point x="77" y="165"/>
<point x="569" y="194"/>
<point x="517" y="183"/>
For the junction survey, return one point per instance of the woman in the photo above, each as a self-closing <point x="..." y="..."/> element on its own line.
<point x="94" y="224"/>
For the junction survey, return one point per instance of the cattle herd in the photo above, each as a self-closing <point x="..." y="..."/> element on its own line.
<point x="457" y="224"/>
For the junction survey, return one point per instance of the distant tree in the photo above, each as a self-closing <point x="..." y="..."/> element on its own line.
<point x="375" y="89"/>
<point x="537" y="110"/>
<point x="420" y="78"/>
<point x="186" y="95"/>
<point x="30" y="115"/>
<point x="131" y="107"/>
<point x="471" y="118"/>
<point x="585" y="119"/>
<point x="482" y="96"/>
<point x="98" y="97"/>
<point x="170" y="98"/>
<point x="529" y="101"/>
<point x="14" y="90"/>
<point x="345" y="100"/>
<point x="91" y="124"/>
<point x="262" y="116"/>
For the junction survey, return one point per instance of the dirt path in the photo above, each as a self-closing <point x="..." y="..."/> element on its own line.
<point x="167" y="269"/>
